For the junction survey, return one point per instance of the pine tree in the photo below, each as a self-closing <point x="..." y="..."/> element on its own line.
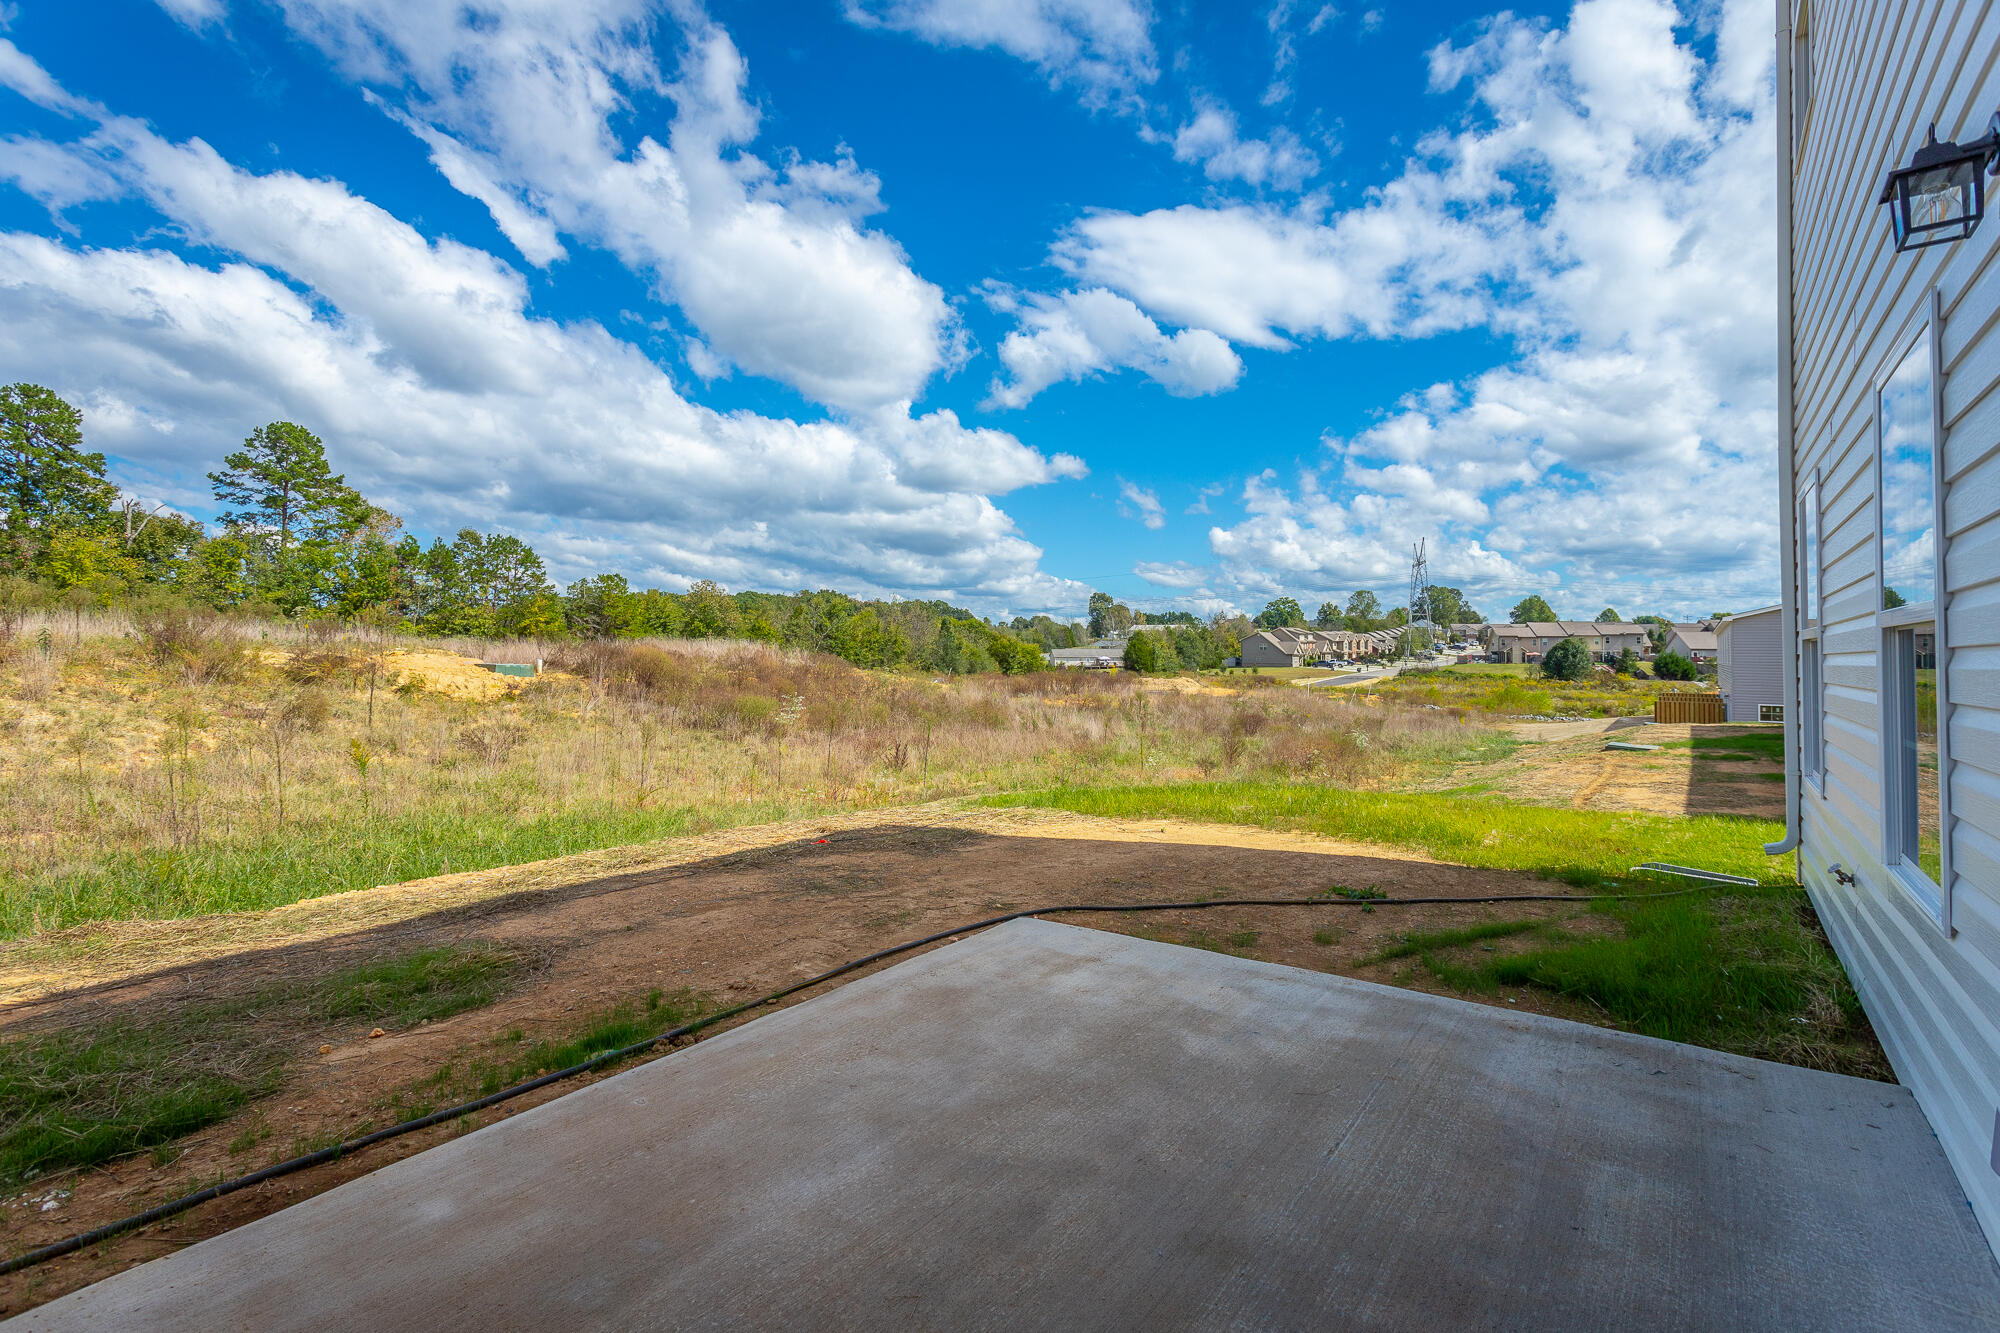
<point x="279" y="484"/>
<point x="48" y="482"/>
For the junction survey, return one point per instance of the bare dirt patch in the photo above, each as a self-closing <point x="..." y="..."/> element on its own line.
<point x="726" y="922"/>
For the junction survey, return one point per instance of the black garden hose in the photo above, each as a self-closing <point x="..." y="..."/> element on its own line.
<point x="172" y="1207"/>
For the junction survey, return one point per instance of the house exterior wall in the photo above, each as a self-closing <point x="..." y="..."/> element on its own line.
<point x="1617" y="641"/>
<point x="1604" y="640"/>
<point x="1263" y="650"/>
<point x="1699" y="650"/>
<point x="1749" y="668"/>
<point x="1878" y="71"/>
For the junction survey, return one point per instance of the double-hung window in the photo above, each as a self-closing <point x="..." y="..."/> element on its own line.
<point x="1911" y="686"/>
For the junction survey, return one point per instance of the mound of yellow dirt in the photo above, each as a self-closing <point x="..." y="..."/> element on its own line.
<point x="447" y="674"/>
<point x="439" y="672"/>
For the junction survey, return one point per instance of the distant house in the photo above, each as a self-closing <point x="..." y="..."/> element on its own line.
<point x="1749" y="669"/>
<point x="1696" y="642"/>
<point x="1096" y="655"/>
<point x="1524" y="643"/>
<point x="1281" y="647"/>
<point x="1291" y="646"/>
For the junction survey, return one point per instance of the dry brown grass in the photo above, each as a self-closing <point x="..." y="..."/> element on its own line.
<point x="186" y="766"/>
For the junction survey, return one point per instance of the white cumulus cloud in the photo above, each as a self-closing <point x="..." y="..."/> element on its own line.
<point x="1591" y="212"/>
<point x="1077" y="334"/>
<point x="1141" y="504"/>
<point x="523" y="105"/>
<point x="1103" y="48"/>
<point x="442" y="397"/>
<point x="1212" y="139"/>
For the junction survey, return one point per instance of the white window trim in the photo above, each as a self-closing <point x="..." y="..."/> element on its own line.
<point x="1812" y="574"/>
<point x="1811" y="591"/>
<point x="1812" y="712"/>
<point x="1935" y="898"/>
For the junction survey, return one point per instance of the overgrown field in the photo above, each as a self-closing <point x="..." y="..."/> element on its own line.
<point x="183" y="768"/>
<point x="1527" y="694"/>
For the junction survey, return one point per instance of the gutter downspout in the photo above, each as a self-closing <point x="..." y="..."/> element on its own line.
<point x="1788" y="505"/>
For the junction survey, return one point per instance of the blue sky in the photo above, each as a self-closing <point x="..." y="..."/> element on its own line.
<point x="1195" y="304"/>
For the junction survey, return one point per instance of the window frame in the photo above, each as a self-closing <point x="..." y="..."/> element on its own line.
<point x="1891" y="623"/>
<point x="1812" y="713"/>
<point x="1812" y="661"/>
<point x="1812" y="571"/>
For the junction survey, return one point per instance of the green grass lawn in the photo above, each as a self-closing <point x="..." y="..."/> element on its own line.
<point x="1737" y="969"/>
<point x="1583" y="847"/>
<point x="74" y="1097"/>
<point x="1509" y="690"/>
<point x="1739" y="742"/>
<point x="1490" y="669"/>
<point x="511" y="1058"/>
<point x="310" y="860"/>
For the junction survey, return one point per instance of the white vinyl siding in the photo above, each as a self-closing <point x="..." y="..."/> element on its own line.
<point x="1882" y="71"/>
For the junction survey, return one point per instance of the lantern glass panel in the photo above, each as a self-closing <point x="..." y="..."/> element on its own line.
<point x="1940" y="197"/>
<point x="1941" y="203"/>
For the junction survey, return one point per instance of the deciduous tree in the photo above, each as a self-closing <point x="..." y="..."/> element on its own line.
<point x="1529" y="608"/>
<point x="1279" y="612"/>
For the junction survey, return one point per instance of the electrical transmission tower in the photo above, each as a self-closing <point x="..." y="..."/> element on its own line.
<point x="1420" y="592"/>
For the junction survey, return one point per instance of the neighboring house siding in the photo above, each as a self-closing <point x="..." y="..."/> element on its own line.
<point x="1749" y="669"/>
<point x="1881" y="71"/>
<point x="1263" y="650"/>
<point x="1698" y="645"/>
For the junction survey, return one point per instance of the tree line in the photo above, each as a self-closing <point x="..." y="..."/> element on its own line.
<point x="293" y="539"/>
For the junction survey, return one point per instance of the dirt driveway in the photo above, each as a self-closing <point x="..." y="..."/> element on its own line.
<point x="730" y="924"/>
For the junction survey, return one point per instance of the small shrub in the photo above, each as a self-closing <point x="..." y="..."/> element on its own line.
<point x="1673" y="666"/>
<point x="192" y="641"/>
<point x="756" y="712"/>
<point x="321" y="665"/>
<point x="1568" y="660"/>
<point x="308" y="710"/>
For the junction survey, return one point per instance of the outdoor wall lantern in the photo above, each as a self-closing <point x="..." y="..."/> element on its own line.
<point x="1941" y="195"/>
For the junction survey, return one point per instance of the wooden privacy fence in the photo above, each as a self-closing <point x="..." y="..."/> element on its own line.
<point x="1688" y="708"/>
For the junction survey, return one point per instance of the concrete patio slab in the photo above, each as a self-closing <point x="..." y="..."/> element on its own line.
<point x="1050" y="1126"/>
